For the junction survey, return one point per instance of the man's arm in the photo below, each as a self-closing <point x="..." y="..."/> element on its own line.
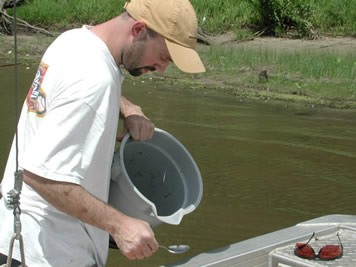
<point x="135" y="121"/>
<point x="134" y="237"/>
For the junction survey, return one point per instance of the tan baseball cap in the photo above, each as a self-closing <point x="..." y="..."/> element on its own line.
<point x="176" y="21"/>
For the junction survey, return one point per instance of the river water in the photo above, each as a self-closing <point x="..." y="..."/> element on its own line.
<point x="264" y="166"/>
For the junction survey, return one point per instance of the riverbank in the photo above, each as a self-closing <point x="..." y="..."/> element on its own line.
<point x="315" y="73"/>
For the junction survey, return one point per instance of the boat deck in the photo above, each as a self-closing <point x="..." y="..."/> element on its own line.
<point x="276" y="249"/>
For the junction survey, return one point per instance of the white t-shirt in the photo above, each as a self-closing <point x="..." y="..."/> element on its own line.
<point x="67" y="132"/>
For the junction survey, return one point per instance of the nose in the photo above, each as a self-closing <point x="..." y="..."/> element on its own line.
<point x="162" y="66"/>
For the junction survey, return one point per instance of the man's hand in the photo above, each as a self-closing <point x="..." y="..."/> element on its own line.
<point x="135" y="239"/>
<point x="139" y="127"/>
<point x="135" y="122"/>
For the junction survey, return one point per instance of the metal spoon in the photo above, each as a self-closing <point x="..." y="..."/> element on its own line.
<point x="176" y="249"/>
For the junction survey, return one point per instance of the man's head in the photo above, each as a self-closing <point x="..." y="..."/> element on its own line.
<point x="147" y="52"/>
<point x="175" y="23"/>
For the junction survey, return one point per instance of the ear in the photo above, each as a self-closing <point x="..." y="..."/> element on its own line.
<point x="138" y="28"/>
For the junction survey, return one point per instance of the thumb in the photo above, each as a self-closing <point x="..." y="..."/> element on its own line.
<point x="119" y="138"/>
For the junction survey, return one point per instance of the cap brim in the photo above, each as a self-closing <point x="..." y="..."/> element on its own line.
<point x="186" y="59"/>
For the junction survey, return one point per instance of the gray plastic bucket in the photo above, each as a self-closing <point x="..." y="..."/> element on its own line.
<point x="156" y="181"/>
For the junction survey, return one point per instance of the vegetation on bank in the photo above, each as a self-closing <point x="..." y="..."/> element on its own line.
<point x="302" y="18"/>
<point x="313" y="77"/>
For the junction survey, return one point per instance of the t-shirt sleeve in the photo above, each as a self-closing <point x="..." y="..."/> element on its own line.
<point x="65" y="143"/>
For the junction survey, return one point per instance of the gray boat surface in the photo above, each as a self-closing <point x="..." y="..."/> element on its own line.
<point x="276" y="249"/>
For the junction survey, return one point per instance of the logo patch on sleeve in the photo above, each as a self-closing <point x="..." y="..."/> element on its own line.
<point x="36" y="97"/>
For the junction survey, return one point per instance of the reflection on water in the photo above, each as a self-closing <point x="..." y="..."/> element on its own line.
<point x="264" y="167"/>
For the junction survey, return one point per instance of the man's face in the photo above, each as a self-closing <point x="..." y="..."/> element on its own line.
<point x="146" y="54"/>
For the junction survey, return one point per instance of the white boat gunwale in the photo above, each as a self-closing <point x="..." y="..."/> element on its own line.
<point x="256" y="251"/>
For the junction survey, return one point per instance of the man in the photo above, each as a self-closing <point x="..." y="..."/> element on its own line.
<point x="67" y="133"/>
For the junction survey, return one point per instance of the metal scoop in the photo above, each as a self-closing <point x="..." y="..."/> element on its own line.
<point x="176" y="249"/>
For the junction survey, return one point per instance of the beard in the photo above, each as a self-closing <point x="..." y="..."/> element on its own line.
<point x="131" y="59"/>
<point x="138" y="71"/>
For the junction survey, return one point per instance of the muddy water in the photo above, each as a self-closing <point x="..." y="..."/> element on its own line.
<point x="264" y="166"/>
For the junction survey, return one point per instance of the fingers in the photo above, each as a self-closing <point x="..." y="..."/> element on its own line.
<point x="140" y="128"/>
<point x="146" y="250"/>
<point x="136" y="239"/>
<point x="153" y="245"/>
<point x="143" y="133"/>
<point x="124" y="132"/>
<point x="140" y="251"/>
<point x="135" y="255"/>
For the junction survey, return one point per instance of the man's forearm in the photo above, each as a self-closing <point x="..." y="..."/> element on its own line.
<point x="73" y="200"/>
<point x="135" y="122"/>
<point x="134" y="237"/>
<point x="127" y="108"/>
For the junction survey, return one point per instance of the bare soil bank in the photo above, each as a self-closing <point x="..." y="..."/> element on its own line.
<point x="339" y="44"/>
<point x="34" y="45"/>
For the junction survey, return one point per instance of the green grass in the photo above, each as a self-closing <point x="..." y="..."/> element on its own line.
<point x="307" y="63"/>
<point x="326" y="78"/>
<point x="219" y="16"/>
<point x="215" y="16"/>
<point x="335" y="16"/>
<point x="65" y="13"/>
